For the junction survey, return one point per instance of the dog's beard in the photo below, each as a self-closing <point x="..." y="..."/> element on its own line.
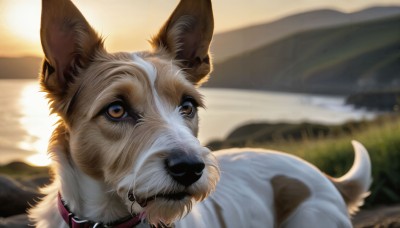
<point x="161" y="200"/>
<point x="168" y="208"/>
<point x="167" y="211"/>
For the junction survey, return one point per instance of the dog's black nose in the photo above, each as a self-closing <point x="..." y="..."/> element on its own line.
<point x="184" y="168"/>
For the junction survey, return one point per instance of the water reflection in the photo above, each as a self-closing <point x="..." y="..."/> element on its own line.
<point x="228" y="109"/>
<point x="37" y="123"/>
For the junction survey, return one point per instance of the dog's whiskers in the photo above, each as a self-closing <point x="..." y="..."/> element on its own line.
<point x="131" y="212"/>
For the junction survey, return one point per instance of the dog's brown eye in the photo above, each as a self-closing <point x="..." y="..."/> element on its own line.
<point x="116" y="111"/>
<point x="188" y="108"/>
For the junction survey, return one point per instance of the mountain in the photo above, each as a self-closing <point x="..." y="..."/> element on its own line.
<point x="231" y="43"/>
<point x="340" y="60"/>
<point x="269" y="49"/>
<point x="19" y="68"/>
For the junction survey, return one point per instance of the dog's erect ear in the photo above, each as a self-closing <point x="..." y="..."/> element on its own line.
<point x="187" y="36"/>
<point x="68" y="42"/>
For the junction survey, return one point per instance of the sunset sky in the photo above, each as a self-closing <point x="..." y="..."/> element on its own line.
<point x="127" y="24"/>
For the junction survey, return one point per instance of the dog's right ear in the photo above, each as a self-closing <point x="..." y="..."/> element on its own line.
<point x="187" y="35"/>
<point x="68" y="43"/>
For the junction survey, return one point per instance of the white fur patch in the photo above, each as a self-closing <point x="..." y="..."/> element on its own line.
<point x="172" y="117"/>
<point x="146" y="66"/>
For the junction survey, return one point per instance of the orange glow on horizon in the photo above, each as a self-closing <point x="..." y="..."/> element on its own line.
<point x="127" y="24"/>
<point x="22" y="19"/>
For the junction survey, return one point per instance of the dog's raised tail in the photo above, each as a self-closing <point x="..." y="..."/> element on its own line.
<point x="354" y="185"/>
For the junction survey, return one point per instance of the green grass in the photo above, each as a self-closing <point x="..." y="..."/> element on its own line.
<point x="334" y="155"/>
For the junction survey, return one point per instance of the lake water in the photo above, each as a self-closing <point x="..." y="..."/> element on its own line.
<point x="25" y="125"/>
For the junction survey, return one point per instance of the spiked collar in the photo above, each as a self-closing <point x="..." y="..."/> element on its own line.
<point x="75" y="222"/>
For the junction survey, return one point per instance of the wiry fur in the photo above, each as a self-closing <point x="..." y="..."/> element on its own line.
<point x="99" y="162"/>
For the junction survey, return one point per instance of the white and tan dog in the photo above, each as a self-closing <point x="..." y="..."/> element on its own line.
<point x="125" y="150"/>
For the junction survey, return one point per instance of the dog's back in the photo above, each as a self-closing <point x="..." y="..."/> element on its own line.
<point x="260" y="188"/>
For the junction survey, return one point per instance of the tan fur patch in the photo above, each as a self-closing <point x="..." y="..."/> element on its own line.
<point x="289" y="193"/>
<point x="351" y="191"/>
<point x="97" y="144"/>
<point x="175" y="88"/>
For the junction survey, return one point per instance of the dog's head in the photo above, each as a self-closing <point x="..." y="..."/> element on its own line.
<point x="130" y="119"/>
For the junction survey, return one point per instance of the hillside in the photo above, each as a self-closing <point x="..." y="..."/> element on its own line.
<point x="231" y="43"/>
<point x="267" y="50"/>
<point x="19" y="68"/>
<point x="343" y="59"/>
<point x="264" y="132"/>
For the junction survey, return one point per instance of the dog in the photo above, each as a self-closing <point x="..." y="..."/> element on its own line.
<point x="125" y="151"/>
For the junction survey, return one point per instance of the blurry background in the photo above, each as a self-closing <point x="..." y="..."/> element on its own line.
<point x="303" y="76"/>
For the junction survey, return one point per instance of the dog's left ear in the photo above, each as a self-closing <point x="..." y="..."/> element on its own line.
<point x="68" y="43"/>
<point x="187" y="36"/>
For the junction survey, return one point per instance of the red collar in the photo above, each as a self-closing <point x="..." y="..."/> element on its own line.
<point x="75" y="222"/>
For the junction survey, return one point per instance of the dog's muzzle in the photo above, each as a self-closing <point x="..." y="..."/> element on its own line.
<point x="183" y="168"/>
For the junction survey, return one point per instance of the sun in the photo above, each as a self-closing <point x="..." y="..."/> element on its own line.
<point x="23" y="19"/>
<point x="39" y="160"/>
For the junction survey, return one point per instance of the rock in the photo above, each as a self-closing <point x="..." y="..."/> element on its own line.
<point x="15" y="198"/>
<point x="16" y="221"/>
